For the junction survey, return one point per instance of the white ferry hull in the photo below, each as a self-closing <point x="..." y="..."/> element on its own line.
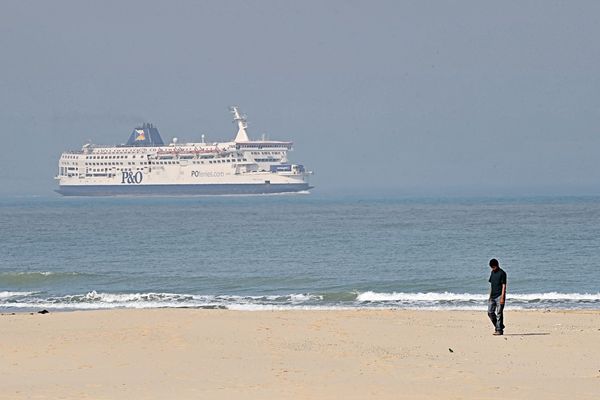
<point x="182" y="190"/>
<point x="145" y="166"/>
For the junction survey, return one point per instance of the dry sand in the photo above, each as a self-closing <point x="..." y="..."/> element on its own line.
<point x="361" y="354"/>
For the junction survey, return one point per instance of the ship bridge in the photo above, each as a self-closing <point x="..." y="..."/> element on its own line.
<point x="259" y="145"/>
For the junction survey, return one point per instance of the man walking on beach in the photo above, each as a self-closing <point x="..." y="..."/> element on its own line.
<point x="497" y="296"/>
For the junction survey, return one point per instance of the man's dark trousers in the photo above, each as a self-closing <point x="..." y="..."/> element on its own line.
<point x="496" y="313"/>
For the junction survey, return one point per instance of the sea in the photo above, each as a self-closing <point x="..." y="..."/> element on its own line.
<point x="296" y="252"/>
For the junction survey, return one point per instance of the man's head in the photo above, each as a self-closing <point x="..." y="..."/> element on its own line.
<point x="494" y="264"/>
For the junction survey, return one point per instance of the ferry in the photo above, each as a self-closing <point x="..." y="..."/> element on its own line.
<point x="146" y="166"/>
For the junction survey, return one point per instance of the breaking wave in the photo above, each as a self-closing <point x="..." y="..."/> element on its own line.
<point x="356" y="300"/>
<point x="7" y="295"/>
<point x="465" y="299"/>
<point x="95" y="300"/>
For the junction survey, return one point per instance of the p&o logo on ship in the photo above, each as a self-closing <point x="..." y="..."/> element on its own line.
<point x="131" y="177"/>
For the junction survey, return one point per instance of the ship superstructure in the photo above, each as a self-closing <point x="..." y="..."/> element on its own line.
<point x="145" y="165"/>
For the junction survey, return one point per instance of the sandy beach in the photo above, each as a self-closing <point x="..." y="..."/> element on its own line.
<point x="220" y="354"/>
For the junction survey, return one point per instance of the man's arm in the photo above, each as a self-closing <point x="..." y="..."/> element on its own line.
<point x="503" y="296"/>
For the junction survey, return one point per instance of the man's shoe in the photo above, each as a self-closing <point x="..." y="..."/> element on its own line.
<point x="498" y="333"/>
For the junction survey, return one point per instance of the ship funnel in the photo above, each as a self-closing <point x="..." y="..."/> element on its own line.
<point x="145" y="135"/>
<point x="242" y="135"/>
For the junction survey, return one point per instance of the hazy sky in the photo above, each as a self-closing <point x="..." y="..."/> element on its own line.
<point x="419" y="97"/>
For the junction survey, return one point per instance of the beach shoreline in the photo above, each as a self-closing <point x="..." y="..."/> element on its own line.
<point x="298" y="354"/>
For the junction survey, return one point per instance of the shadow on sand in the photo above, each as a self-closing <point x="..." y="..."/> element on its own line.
<point x="528" y="334"/>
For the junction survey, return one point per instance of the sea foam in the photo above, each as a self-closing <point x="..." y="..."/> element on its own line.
<point x="7" y="295"/>
<point x="298" y="301"/>
<point x="470" y="297"/>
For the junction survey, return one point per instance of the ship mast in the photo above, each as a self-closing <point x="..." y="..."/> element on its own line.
<point x="241" y="136"/>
